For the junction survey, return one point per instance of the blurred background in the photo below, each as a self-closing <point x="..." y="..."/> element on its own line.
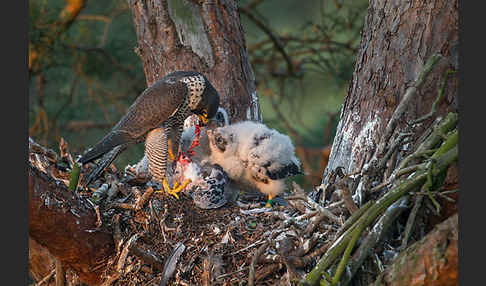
<point x="84" y="72"/>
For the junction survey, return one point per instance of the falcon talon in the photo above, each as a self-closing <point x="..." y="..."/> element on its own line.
<point x="177" y="187"/>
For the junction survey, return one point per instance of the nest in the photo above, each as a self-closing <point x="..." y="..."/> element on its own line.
<point x="161" y="240"/>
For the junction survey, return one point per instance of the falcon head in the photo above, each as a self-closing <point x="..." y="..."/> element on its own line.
<point x="203" y="97"/>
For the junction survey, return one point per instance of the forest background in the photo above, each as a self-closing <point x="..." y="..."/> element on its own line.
<point x="84" y="70"/>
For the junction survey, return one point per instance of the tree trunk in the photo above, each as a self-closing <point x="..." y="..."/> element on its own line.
<point x="204" y="36"/>
<point x="397" y="39"/>
<point x="430" y="261"/>
<point x="390" y="90"/>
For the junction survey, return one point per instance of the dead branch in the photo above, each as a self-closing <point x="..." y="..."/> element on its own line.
<point x="408" y="185"/>
<point x="374" y="237"/>
<point x="431" y="261"/>
<point x="275" y="39"/>
<point x="65" y="224"/>
<point x="254" y="261"/>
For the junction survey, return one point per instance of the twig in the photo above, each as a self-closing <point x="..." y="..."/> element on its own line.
<point x="374" y="236"/>
<point x="123" y="256"/>
<point x="313" y="223"/>
<point x="402" y="106"/>
<point x="436" y="101"/>
<point x="411" y="221"/>
<point x="98" y="216"/>
<point x="302" y="196"/>
<point x="347" y="198"/>
<point x="117" y="237"/>
<point x="354" y="217"/>
<point x="254" y="260"/>
<point x="347" y="252"/>
<point x="383" y="203"/>
<point x="47" y="278"/>
<point x="443" y="127"/>
<point x="278" y="44"/>
<point x="230" y="273"/>
<point x="248" y="247"/>
<point x="148" y="256"/>
<point x="125" y="206"/>
<point x="144" y="198"/>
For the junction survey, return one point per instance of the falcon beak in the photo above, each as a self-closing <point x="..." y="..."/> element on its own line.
<point x="203" y="118"/>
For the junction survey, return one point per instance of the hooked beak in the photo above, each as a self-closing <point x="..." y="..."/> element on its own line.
<point x="203" y="118"/>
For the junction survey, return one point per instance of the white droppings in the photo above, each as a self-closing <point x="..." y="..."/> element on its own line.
<point x="364" y="140"/>
<point x="254" y="106"/>
<point x="306" y="245"/>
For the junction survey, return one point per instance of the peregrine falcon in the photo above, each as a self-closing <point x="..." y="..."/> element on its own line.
<point x="157" y="116"/>
<point x="254" y="156"/>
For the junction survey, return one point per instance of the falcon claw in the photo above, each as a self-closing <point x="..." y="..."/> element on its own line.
<point x="176" y="189"/>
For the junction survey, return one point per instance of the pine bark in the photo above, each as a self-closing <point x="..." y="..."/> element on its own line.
<point x="430" y="261"/>
<point x="205" y="36"/>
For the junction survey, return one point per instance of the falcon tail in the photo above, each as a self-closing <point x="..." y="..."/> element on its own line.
<point x="104" y="162"/>
<point x="109" y="142"/>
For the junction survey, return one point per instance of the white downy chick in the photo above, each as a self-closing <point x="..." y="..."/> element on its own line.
<point x="254" y="155"/>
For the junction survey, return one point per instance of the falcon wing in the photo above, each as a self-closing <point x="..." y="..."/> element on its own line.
<point x="153" y="107"/>
<point x="105" y="161"/>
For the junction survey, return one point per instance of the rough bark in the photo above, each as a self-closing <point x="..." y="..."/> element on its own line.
<point x="65" y="225"/>
<point x="204" y="36"/>
<point x="430" y="261"/>
<point x="41" y="262"/>
<point x="397" y="39"/>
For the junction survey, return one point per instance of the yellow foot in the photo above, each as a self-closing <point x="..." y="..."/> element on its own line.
<point x="176" y="189"/>
<point x="171" y="155"/>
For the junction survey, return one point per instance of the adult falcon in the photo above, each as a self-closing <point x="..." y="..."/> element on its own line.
<point x="157" y="116"/>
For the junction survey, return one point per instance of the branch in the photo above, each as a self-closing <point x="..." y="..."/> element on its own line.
<point x="408" y="185"/>
<point x="430" y="261"/>
<point x="407" y="98"/>
<point x="275" y="39"/>
<point x="65" y="224"/>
